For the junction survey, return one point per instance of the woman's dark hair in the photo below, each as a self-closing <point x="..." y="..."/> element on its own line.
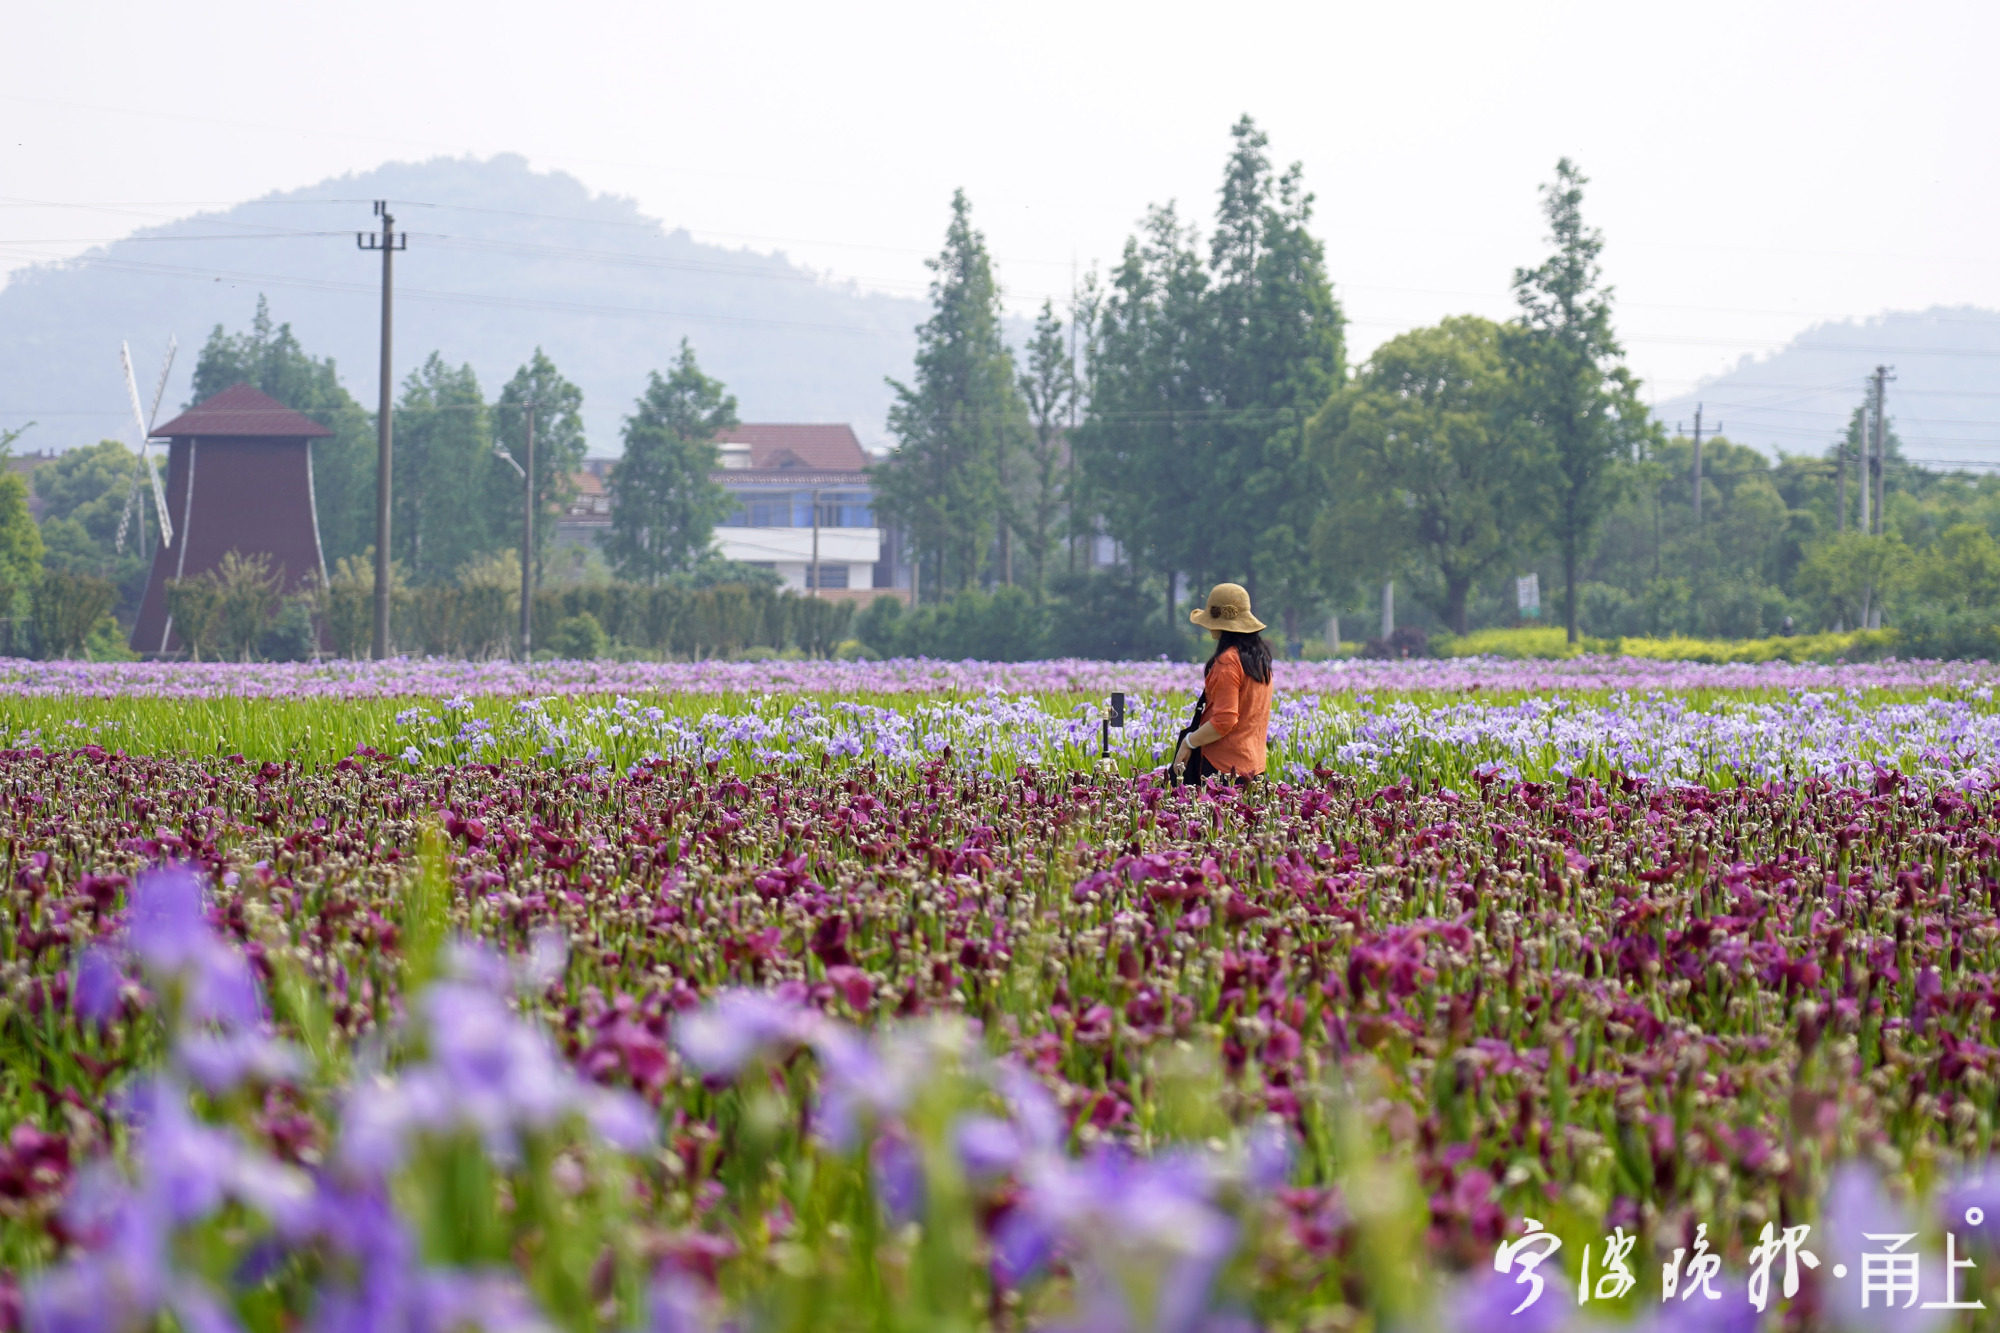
<point x="1251" y="650"/>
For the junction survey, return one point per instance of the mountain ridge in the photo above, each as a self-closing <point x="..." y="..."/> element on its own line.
<point x="612" y="292"/>
<point x="1944" y="402"/>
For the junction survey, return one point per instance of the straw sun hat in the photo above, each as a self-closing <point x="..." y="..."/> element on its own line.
<point x="1228" y="609"/>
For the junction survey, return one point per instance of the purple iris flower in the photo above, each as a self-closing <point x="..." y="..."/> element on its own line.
<point x="1857" y="1207"/>
<point x="168" y="935"/>
<point x="1699" y="1316"/>
<point x="1269" y="1161"/>
<point x="1145" y="1238"/>
<point x="491" y="1073"/>
<point x="491" y="1302"/>
<point x="1980" y="1189"/>
<point x="167" y="926"/>
<point x="737" y="1029"/>
<point x="1035" y="1113"/>
<point x="898" y="1174"/>
<point x="677" y="1304"/>
<point x="126" y="1276"/>
<point x="99" y="981"/>
<point x="1489" y="1301"/>
<point x="218" y="1062"/>
<point x="987" y="1146"/>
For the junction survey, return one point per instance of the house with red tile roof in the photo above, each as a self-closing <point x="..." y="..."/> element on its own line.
<point x="805" y="509"/>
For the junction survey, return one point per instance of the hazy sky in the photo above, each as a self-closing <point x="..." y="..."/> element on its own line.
<point x="1755" y="167"/>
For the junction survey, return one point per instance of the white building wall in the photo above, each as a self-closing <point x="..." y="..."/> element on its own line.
<point x="789" y="551"/>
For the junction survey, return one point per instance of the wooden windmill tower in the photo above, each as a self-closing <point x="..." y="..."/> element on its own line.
<point x="239" y="478"/>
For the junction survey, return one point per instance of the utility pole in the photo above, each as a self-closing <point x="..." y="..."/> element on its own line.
<point x="1697" y="461"/>
<point x="528" y="543"/>
<point x="1882" y="378"/>
<point x="388" y="242"/>
<point x="815" y="558"/>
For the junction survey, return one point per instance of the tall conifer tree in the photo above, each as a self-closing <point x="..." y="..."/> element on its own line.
<point x="1584" y="400"/>
<point x="960" y="423"/>
<point x="665" y="502"/>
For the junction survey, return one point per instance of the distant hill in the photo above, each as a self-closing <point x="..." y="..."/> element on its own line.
<point x="501" y="259"/>
<point x="1944" y="402"/>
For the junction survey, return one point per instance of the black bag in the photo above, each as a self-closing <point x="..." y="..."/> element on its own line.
<point x="1197" y="769"/>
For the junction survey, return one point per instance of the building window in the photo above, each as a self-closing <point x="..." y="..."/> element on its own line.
<point x="795" y="509"/>
<point x="830" y="576"/>
<point x="769" y="511"/>
<point x="845" y="510"/>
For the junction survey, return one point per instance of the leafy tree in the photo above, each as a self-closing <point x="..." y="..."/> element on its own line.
<point x="1049" y="388"/>
<point x="1585" y="402"/>
<point x="63" y="609"/>
<point x="665" y="502"/>
<point x="444" y="516"/>
<point x="1141" y="443"/>
<point x="1961" y="572"/>
<point x="1851" y="573"/>
<point x="1426" y="463"/>
<point x="20" y="540"/>
<point x="559" y="448"/>
<point x="1204" y="371"/>
<point x="1277" y="355"/>
<point x="84" y="494"/>
<point x="270" y="359"/>
<point x="959" y="426"/>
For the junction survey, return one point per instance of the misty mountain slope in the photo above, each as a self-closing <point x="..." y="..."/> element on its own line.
<point x="501" y="259"/>
<point x="1944" y="401"/>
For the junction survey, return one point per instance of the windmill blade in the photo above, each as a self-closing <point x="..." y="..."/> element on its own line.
<point x="160" y="389"/>
<point x="125" y="516"/>
<point x="145" y="459"/>
<point x="159" y="500"/>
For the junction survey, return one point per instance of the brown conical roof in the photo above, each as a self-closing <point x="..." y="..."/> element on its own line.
<point x="242" y="410"/>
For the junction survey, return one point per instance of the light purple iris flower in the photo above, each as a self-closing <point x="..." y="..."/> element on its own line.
<point x="1489" y="1300"/>
<point x="490" y="1073"/>
<point x="987" y="1146"/>
<point x="186" y="1171"/>
<point x="738" y="1028"/>
<point x="1145" y="1238"/>
<point x="166" y="933"/>
<point x="1855" y="1208"/>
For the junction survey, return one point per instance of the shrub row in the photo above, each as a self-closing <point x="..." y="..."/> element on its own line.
<point x="588" y="620"/>
<point x="1551" y="642"/>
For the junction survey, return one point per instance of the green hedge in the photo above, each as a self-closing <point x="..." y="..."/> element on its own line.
<point x="1549" y="642"/>
<point x="481" y="621"/>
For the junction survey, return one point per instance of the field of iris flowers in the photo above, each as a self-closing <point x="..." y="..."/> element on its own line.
<point x="773" y="996"/>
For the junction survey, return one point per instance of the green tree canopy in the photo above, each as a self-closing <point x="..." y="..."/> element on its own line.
<point x="1573" y="382"/>
<point x="559" y="447"/>
<point x="1851" y="573"/>
<point x="1049" y="389"/>
<point x="1148" y="419"/>
<point x="444" y="515"/>
<point x="961" y="423"/>
<point x="20" y="540"/>
<point x="84" y="494"/>
<point x="1428" y="464"/>
<point x="1204" y="371"/>
<point x="665" y="502"/>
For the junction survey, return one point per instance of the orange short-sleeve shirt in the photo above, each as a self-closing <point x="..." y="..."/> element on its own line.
<point x="1240" y="711"/>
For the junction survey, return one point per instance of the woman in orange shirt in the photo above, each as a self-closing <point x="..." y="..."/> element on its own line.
<point x="1236" y="690"/>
